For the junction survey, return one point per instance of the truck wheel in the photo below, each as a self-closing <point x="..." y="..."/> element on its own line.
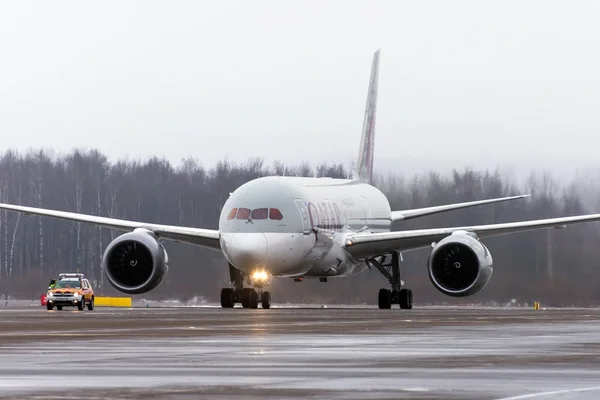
<point x="90" y="305"/>
<point x="49" y="306"/>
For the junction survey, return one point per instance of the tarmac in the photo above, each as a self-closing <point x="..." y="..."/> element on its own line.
<point x="298" y="353"/>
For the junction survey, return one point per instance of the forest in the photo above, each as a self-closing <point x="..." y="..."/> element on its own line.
<point x="556" y="267"/>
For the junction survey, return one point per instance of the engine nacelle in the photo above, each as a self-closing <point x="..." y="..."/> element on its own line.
<point x="135" y="262"/>
<point x="460" y="265"/>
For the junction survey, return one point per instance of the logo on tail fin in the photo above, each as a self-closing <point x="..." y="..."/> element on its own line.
<point x="364" y="165"/>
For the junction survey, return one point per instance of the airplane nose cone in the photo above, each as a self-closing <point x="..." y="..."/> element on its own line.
<point x="248" y="249"/>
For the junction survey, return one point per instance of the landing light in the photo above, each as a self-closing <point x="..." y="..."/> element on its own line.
<point x="260" y="276"/>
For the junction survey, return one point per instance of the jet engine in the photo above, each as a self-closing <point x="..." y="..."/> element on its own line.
<point x="135" y="262"/>
<point x="460" y="265"/>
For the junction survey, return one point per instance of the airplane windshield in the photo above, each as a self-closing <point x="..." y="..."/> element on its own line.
<point x="232" y="213"/>
<point x="275" y="214"/>
<point x="257" y="213"/>
<point x="243" y="213"/>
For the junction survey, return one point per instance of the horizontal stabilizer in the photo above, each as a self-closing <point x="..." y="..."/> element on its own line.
<point x="420" y="212"/>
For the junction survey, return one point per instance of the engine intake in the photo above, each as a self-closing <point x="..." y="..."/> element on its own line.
<point x="135" y="262"/>
<point x="460" y="265"/>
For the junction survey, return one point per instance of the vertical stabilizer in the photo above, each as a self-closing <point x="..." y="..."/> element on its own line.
<point x="364" y="164"/>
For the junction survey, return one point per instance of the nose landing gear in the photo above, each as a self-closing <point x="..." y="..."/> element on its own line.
<point x="248" y="297"/>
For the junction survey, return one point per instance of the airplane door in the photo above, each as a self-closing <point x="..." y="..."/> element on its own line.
<point x="306" y="228"/>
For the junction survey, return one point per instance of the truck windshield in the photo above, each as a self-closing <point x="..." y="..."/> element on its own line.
<point x="68" y="283"/>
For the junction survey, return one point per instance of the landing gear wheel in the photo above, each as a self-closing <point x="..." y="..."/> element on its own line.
<point x="227" y="298"/>
<point x="406" y="299"/>
<point x="246" y="293"/>
<point x="90" y="305"/>
<point x="385" y="299"/>
<point x="390" y="268"/>
<point x="265" y="299"/>
<point x="253" y="299"/>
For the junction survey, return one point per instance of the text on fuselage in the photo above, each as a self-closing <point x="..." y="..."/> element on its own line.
<point x="325" y="215"/>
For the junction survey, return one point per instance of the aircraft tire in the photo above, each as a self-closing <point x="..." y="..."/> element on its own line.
<point x="253" y="303"/>
<point x="406" y="299"/>
<point x="227" y="298"/>
<point x="385" y="299"/>
<point x="246" y="292"/>
<point x="265" y="299"/>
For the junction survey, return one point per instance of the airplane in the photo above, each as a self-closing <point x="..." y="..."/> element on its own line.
<point x="306" y="227"/>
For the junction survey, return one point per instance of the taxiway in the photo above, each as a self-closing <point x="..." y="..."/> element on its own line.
<point x="340" y="353"/>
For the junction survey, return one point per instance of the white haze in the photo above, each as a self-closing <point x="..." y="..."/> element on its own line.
<point x="463" y="83"/>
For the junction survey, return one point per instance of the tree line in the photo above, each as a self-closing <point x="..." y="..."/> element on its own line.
<point x="557" y="267"/>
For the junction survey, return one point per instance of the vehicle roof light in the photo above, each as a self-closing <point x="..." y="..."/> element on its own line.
<point x="70" y="275"/>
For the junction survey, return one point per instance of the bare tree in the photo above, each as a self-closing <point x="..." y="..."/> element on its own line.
<point x="553" y="266"/>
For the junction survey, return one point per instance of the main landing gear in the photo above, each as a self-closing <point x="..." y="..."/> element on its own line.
<point x="249" y="297"/>
<point x="391" y="271"/>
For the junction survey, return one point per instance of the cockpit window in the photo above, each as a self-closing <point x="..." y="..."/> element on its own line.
<point x="243" y="213"/>
<point x="259" y="213"/>
<point x="275" y="214"/>
<point x="231" y="214"/>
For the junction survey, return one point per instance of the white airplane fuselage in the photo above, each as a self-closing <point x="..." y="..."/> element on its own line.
<point x="294" y="226"/>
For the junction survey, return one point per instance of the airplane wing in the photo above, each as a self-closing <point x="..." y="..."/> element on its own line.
<point x="196" y="236"/>
<point x="362" y="246"/>
<point x="420" y="212"/>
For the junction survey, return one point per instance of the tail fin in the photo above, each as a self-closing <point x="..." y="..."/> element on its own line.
<point x="364" y="165"/>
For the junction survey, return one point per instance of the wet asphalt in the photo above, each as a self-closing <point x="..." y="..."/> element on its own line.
<point x="298" y="353"/>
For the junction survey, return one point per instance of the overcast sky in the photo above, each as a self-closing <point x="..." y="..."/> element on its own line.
<point x="461" y="82"/>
